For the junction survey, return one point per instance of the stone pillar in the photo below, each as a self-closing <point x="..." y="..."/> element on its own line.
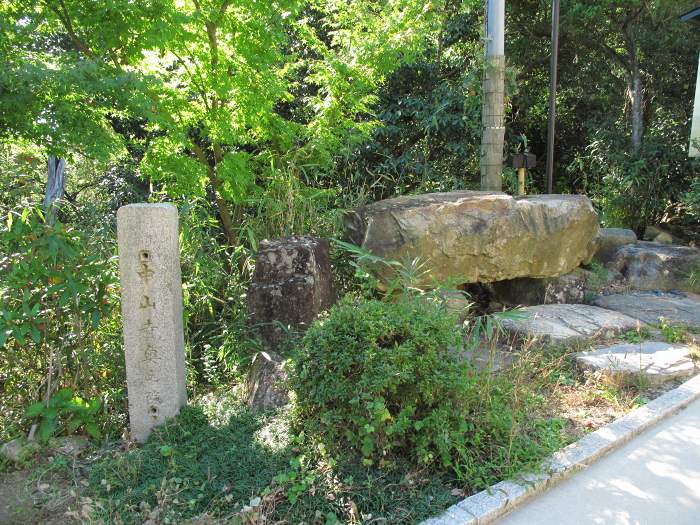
<point x="149" y="264"/>
<point x="291" y="285"/>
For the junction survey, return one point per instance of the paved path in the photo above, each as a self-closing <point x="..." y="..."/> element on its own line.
<point x="652" y="480"/>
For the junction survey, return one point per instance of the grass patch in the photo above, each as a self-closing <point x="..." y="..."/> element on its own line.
<point x="209" y="458"/>
<point x="220" y="460"/>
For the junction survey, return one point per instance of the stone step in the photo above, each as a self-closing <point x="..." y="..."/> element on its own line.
<point x="655" y="361"/>
<point x="565" y="323"/>
<point x="677" y="308"/>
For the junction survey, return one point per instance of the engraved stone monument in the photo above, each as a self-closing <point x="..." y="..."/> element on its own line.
<point x="149" y="264"/>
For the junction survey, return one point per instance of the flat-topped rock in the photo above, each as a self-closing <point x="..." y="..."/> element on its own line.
<point x="655" y="361"/>
<point x="677" y="308"/>
<point x="655" y="266"/>
<point x="481" y="237"/>
<point x="610" y="239"/>
<point x="561" y="323"/>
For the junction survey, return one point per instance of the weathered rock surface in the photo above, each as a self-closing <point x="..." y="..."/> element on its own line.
<point x="19" y="450"/>
<point x="654" y="266"/>
<point x="291" y="285"/>
<point x="656" y="361"/>
<point x="479" y="236"/>
<point x="70" y="445"/>
<point x="567" y="289"/>
<point x="649" y="307"/>
<point x="154" y="345"/>
<point x="610" y="239"/>
<point x="484" y="357"/>
<point x="560" y="323"/>
<point x="266" y="384"/>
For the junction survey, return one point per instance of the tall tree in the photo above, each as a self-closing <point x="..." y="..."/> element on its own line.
<point x="214" y="81"/>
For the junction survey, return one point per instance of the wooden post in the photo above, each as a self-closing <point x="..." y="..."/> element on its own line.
<point x="521" y="181"/>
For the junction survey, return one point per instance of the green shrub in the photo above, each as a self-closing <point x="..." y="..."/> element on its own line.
<point x="379" y="378"/>
<point x="57" y="303"/>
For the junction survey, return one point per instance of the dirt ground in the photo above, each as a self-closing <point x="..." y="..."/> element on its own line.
<point x="29" y="497"/>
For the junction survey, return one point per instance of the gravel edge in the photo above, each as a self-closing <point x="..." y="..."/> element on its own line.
<point x="501" y="498"/>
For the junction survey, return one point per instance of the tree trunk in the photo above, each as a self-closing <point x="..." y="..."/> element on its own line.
<point x="221" y="204"/>
<point x="493" y="130"/>
<point x="55" y="187"/>
<point x="635" y="88"/>
<point x="224" y="212"/>
<point x="636" y="94"/>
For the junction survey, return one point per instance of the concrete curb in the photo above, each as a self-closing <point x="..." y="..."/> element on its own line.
<point x="503" y="497"/>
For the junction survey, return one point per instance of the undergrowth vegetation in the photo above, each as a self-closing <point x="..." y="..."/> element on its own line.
<point x="384" y="380"/>
<point x="263" y="119"/>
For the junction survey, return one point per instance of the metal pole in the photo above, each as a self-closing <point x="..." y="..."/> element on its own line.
<point x="552" y="95"/>
<point x="492" y="129"/>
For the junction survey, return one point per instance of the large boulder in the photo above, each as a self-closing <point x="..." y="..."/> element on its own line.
<point x="654" y="266"/>
<point x="473" y="236"/>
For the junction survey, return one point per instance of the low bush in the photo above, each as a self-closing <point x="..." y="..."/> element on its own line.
<point x="384" y="380"/>
<point x="379" y="377"/>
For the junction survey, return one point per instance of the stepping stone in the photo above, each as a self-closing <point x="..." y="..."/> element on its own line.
<point x="656" y="361"/>
<point x="676" y="308"/>
<point x="561" y="323"/>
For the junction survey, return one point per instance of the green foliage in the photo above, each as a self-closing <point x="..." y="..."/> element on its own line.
<point x="594" y="154"/>
<point x="217" y="456"/>
<point x="672" y="333"/>
<point x="227" y="94"/>
<point x="636" y="336"/>
<point x="56" y="293"/>
<point x="47" y="276"/>
<point x="65" y="411"/>
<point x="377" y="376"/>
<point x="429" y="114"/>
<point x="694" y="279"/>
<point x="384" y="380"/>
<point x="635" y="191"/>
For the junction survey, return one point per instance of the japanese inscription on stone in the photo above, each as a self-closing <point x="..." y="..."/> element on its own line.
<point x="152" y="311"/>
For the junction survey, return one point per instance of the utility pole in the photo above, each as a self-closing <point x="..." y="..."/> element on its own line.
<point x="493" y="131"/>
<point x="552" y="95"/>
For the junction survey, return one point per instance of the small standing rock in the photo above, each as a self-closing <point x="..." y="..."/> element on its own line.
<point x="292" y="284"/>
<point x="266" y="385"/>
